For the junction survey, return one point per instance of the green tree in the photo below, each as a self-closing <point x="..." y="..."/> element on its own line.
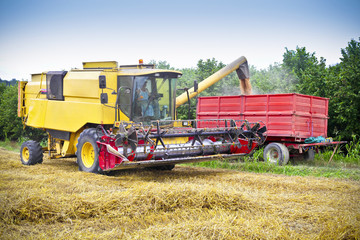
<point x="332" y="86"/>
<point x="10" y="124"/>
<point x="2" y="90"/>
<point x="309" y="71"/>
<point x="186" y="81"/>
<point x="340" y="83"/>
<point x="345" y="86"/>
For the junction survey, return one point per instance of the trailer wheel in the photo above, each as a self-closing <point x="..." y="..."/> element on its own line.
<point x="88" y="151"/>
<point x="309" y="155"/>
<point x="276" y="153"/>
<point x="31" y="153"/>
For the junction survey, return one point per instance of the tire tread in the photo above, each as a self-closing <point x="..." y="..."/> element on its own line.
<point x="35" y="152"/>
<point x="90" y="133"/>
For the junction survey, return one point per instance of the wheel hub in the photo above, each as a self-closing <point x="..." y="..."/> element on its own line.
<point x="25" y="154"/>
<point x="88" y="155"/>
<point x="273" y="155"/>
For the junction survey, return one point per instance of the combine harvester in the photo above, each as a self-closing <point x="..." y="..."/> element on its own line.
<point x="124" y="117"/>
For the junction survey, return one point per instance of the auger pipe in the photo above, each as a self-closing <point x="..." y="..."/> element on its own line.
<point x="241" y="67"/>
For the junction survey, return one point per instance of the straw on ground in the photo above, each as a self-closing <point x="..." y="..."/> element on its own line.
<point x="55" y="200"/>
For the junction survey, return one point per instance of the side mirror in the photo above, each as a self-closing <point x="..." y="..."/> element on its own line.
<point x="104" y="98"/>
<point x="196" y="86"/>
<point x="102" y="81"/>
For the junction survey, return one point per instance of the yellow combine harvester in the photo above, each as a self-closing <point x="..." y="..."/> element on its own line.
<point x="123" y="117"/>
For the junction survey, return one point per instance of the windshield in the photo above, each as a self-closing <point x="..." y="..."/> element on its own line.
<point x="153" y="98"/>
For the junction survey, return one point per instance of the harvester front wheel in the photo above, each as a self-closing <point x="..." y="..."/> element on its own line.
<point x="31" y="153"/>
<point x="276" y="153"/>
<point x="88" y="151"/>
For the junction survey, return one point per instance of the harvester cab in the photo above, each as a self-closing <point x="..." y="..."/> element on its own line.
<point x="144" y="98"/>
<point x="125" y="117"/>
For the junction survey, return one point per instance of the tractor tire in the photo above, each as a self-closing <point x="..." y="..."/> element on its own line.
<point x="276" y="153"/>
<point x="88" y="151"/>
<point x="309" y="155"/>
<point x="286" y="154"/>
<point x="31" y="153"/>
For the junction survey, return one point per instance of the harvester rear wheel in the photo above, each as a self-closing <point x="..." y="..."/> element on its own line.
<point x="88" y="151"/>
<point x="31" y="153"/>
<point x="276" y="153"/>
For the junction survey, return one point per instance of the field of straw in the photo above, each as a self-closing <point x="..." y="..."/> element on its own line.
<point x="54" y="200"/>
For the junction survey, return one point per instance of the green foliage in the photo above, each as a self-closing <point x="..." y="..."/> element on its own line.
<point x="11" y="127"/>
<point x="8" y="83"/>
<point x="11" y="145"/>
<point x="186" y="81"/>
<point x="2" y="88"/>
<point x="353" y="150"/>
<point x="274" y="79"/>
<point x="340" y="83"/>
<point x="346" y="92"/>
<point x="342" y="166"/>
<point x="289" y="170"/>
<point x="309" y="71"/>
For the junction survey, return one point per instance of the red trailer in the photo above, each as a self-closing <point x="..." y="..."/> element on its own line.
<point x="290" y="119"/>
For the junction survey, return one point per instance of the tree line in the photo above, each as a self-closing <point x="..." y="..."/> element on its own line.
<point x="299" y="72"/>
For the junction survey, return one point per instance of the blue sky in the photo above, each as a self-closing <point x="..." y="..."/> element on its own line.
<point x="38" y="36"/>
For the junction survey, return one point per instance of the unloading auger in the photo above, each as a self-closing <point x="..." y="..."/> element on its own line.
<point x="241" y="67"/>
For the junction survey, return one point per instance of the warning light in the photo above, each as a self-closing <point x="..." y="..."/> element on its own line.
<point x="141" y="61"/>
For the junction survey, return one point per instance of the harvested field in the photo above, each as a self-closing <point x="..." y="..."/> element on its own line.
<point x="55" y="200"/>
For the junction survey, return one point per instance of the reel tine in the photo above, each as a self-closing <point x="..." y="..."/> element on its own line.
<point x="262" y="130"/>
<point x="250" y="143"/>
<point x="147" y="136"/>
<point x="247" y="124"/>
<point x="132" y="138"/>
<point x="256" y="127"/>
